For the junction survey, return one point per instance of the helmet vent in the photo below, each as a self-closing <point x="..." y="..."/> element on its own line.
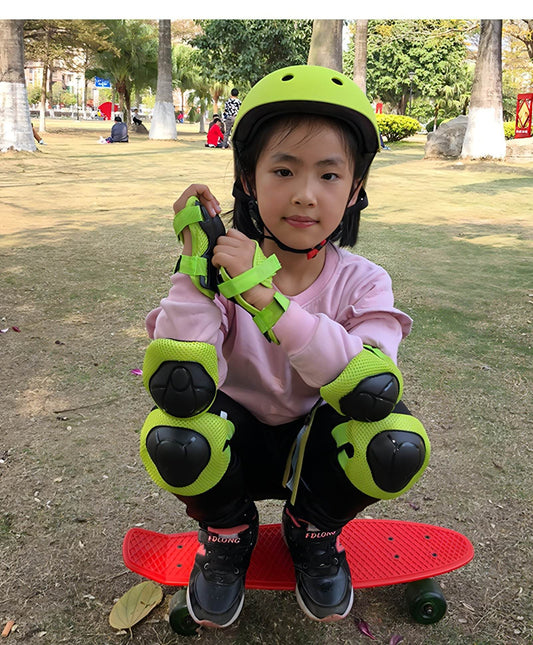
<point x="289" y="77"/>
<point x="337" y="81"/>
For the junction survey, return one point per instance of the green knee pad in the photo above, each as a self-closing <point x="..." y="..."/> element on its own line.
<point x="368" y="388"/>
<point x="385" y="458"/>
<point x="181" y="376"/>
<point x="186" y="456"/>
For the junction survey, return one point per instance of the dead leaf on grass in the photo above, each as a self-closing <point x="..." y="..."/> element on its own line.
<point x="364" y="628"/>
<point x="135" y="604"/>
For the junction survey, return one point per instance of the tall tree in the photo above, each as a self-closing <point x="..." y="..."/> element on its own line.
<point x="67" y="41"/>
<point x="405" y="55"/>
<point x="360" y="52"/>
<point x="484" y="137"/>
<point x="240" y="52"/>
<point x="133" y="56"/>
<point x="326" y="44"/>
<point x="163" y="124"/>
<point x="15" y="124"/>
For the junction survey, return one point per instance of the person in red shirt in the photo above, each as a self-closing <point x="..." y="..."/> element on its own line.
<point x="215" y="136"/>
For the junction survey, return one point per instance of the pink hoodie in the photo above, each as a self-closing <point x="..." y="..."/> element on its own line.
<point x="325" y="326"/>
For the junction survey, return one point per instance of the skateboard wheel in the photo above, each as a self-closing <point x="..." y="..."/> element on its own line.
<point x="426" y="601"/>
<point x="179" y="618"/>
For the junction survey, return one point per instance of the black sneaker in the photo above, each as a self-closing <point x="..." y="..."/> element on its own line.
<point x="215" y="594"/>
<point x="323" y="583"/>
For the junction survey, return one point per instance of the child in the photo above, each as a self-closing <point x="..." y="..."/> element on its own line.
<point x="273" y="365"/>
<point x="215" y="136"/>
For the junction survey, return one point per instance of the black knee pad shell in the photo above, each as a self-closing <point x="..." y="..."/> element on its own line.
<point x="395" y="457"/>
<point x="385" y="458"/>
<point x="180" y="454"/>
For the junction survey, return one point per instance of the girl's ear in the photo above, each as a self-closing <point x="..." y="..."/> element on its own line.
<point x="355" y="195"/>
<point x="246" y="186"/>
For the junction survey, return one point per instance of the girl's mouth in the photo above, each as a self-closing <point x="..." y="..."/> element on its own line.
<point x="298" y="221"/>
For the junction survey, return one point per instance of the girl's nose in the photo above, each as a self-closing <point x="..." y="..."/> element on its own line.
<point x="304" y="195"/>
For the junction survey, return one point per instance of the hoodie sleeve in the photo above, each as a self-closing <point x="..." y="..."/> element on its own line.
<point x="320" y="345"/>
<point x="188" y="315"/>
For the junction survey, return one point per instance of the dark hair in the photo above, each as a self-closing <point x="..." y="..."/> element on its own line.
<point x="117" y="118"/>
<point x="245" y="162"/>
<point x="234" y="92"/>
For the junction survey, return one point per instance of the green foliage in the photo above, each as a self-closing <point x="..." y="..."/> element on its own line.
<point x="395" y="127"/>
<point x="425" y="59"/>
<point x="509" y="129"/>
<point x="240" y="52"/>
<point x="34" y="94"/>
<point x="131" y="60"/>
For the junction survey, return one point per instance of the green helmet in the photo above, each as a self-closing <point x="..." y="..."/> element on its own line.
<point x="308" y="89"/>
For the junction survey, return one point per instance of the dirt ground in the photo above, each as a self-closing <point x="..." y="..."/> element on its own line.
<point x="86" y="250"/>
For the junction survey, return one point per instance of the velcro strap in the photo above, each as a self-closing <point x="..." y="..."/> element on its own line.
<point x="266" y="318"/>
<point x="187" y="216"/>
<point x="192" y="265"/>
<point x="232" y="287"/>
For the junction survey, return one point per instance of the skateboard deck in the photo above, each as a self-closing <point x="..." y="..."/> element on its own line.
<point x="379" y="552"/>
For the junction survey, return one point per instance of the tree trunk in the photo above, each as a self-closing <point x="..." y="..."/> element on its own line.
<point x="15" y="125"/>
<point x="484" y="137"/>
<point x="163" y="124"/>
<point x="360" y="47"/>
<point x="42" y="106"/>
<point x="326" y="44"/>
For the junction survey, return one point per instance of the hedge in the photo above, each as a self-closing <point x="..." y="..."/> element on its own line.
<point x="395" y="127"/>
<point x="508" y="129"/>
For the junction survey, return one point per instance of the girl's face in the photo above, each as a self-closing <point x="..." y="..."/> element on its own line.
<point x="303" y="181"/>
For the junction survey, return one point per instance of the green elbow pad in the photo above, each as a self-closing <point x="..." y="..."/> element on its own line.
<point x="367" y="389"/>
<point x="181" y="376"/>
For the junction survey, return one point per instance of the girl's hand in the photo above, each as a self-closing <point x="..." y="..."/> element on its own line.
<point x="235" y="252"/>
<point x="205" y="196"/>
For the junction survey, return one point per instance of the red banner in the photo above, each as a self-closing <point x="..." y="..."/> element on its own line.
<point x="524" y="113"/>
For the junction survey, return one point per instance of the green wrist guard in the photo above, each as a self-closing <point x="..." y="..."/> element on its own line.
<point x="368" y="388"/>
<point x="205" y="230"/>
<point x="261" y="273"/>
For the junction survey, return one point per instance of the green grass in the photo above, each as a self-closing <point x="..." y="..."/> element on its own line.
<point x="87" y="249"/>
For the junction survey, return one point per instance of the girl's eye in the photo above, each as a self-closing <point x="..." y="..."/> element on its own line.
<point x="328" y="176"/>
<point x="283" y="172"/>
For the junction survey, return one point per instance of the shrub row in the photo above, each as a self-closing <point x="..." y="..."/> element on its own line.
<point x="395" y="127"/>
<point x="508" y="129"/>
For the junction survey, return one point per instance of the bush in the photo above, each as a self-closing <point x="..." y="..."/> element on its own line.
<point x="395" y="127"/>
<point x="508" y="129"/>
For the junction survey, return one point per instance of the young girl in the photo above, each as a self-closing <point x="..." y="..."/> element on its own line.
<point x="273" y="360"/>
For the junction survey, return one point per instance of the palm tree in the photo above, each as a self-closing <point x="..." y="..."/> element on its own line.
<point x="163" y="124"/>
<point x="133" y="56"/>
<point x="326" y="44"/>
<point x="15" y="125"/>
<point x="484" y="137"/>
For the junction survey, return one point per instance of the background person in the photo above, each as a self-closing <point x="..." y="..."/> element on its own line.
<point x="231" y="109"/>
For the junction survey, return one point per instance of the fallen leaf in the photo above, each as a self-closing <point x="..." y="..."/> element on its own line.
<point x="4" y="331"/>
<point x="395" y="639"/>
<point x="135" y="604"/>
<point x="364" y="628"/>
<point x="15" y="329"/>
<point x="8" y="627"/>
<point x="136" y="371"/>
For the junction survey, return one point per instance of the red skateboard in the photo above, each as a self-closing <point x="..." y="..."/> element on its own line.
<point x="380" y="553"/>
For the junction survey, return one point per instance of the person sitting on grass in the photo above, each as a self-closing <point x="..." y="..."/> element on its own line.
<point x="215" y="136"/>
<point x="119" y="132"/>
<point x="37" y="136"/>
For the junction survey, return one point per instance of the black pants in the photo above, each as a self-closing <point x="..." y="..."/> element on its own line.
<point x="260" y="452"/>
